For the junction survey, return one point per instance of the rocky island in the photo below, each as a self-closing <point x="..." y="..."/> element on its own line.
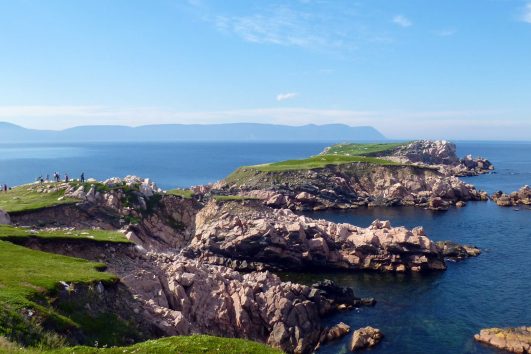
<point x="177" y="263"/>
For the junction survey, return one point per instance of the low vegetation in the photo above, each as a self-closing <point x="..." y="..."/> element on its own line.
<point x="183" y="193"/>
<point x="33" y="197"/>
<point x="12" y="233"/>
<point x="319" y="161"/>
<point x="182" y="344"/>
<point x="28" y="281"/>
<point x="362" y="149"/>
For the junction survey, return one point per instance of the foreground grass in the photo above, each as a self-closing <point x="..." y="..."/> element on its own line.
<point x="32" y="197"/>
<point x="319" y="161"/>
<point x="362" y="149"/>
<point x="28" y="281"/>
<point x="12" y="233"/>
<point x="26" y="274"/>
<point x="182" y="344"/>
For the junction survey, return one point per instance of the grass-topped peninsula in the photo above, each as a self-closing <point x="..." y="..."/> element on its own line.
<point x="33" y="197"/>
<point x="335" y="155"/>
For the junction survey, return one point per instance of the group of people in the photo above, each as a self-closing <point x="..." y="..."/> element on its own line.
<point x="57" y="178"/>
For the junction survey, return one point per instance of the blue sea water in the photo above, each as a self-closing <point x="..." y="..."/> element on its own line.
<point x="418" y="313"/>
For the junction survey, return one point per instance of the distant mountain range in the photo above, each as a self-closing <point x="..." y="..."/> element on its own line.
<point x="11" y="133"/>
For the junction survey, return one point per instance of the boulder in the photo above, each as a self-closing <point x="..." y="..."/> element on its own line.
<point x="335" y="332"/>
<point x="514" y="340"/>
<point x="365" y="337"/>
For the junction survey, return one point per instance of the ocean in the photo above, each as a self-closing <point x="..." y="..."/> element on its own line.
<point x="418" y="313"/>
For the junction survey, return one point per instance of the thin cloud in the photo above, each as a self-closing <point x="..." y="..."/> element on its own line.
<point x="526" y="17"/>
<point x="286" y="96"/>
<point x="402" y="21"/>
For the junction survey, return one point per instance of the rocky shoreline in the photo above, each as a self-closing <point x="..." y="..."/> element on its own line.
<point x="184" y="265"/>
<point x="205" y="263"/>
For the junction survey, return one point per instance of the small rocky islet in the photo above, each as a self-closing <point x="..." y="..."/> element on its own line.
<point x="203" y="261"/>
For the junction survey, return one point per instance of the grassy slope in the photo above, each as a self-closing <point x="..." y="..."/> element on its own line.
<point x="362" y="149"/>
<point x="183" y="193"/>
<point x="27" y="280"/>
<point x="182" y="344"/>
<point x="11" y="232"/>
<point x="27" y="197"/>
<point x="335" y="155"/>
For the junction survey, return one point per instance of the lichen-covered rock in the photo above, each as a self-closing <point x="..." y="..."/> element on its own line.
<point x="365" y="337"/>
<point x="250" y="236"/>
<point x="515" y="340"/>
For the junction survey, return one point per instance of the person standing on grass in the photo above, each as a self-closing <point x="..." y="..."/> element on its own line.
<point x="5" y="188"/>
<point x="66" y="178"/>
<point x="82" y="178"/>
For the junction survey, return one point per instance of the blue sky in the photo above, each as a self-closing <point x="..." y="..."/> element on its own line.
<point x="436" y="69"/>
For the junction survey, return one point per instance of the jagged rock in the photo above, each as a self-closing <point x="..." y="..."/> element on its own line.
<point x="229" y="233"/>
<point x="454" y="250"/>
<point x="365" y="337"/>
<point x="515" y="340"/>
<point x="335" y="332"/>
<point x="520" y="197"/>
<point x="5" y="219"/>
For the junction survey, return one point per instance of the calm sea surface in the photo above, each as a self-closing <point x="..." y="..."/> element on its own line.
<point x="437" y="313"/>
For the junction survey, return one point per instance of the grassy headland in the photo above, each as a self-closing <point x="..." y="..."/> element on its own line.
<point x="33" y="197"/>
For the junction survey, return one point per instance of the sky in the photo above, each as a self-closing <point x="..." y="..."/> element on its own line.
<point x="449" y="69"/>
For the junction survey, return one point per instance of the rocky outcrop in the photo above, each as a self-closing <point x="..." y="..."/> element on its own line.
<point x="335" y="332"/>
<point x="520" y="197"/>
<point x="5" y="219"/>
<point x="365" y="337"/>
<point x="250" y="236"/>
<point x="514" y="340"/>
<point x="149" y="217"/>
<point x="350" y="186"/>
<point x="456" y="251"/>
<point x="441" y="154"/>
<point x="179" y="296"/>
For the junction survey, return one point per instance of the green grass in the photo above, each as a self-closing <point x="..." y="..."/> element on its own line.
<point x="182" y="344"/>
<point x="195" y="344"/>
<point x="28" y="280"/>
<point x="183" y="193"/>
<point x="319" y="161"/>
<point x="10" y="233"/>
<point x="362" y="149"/>
<point x="32" y="197"/>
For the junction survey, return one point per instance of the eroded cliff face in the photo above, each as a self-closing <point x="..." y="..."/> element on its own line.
<point x="250" y="236"/>
<point x="176" y="295"/>
<point x="353" y="185"/>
